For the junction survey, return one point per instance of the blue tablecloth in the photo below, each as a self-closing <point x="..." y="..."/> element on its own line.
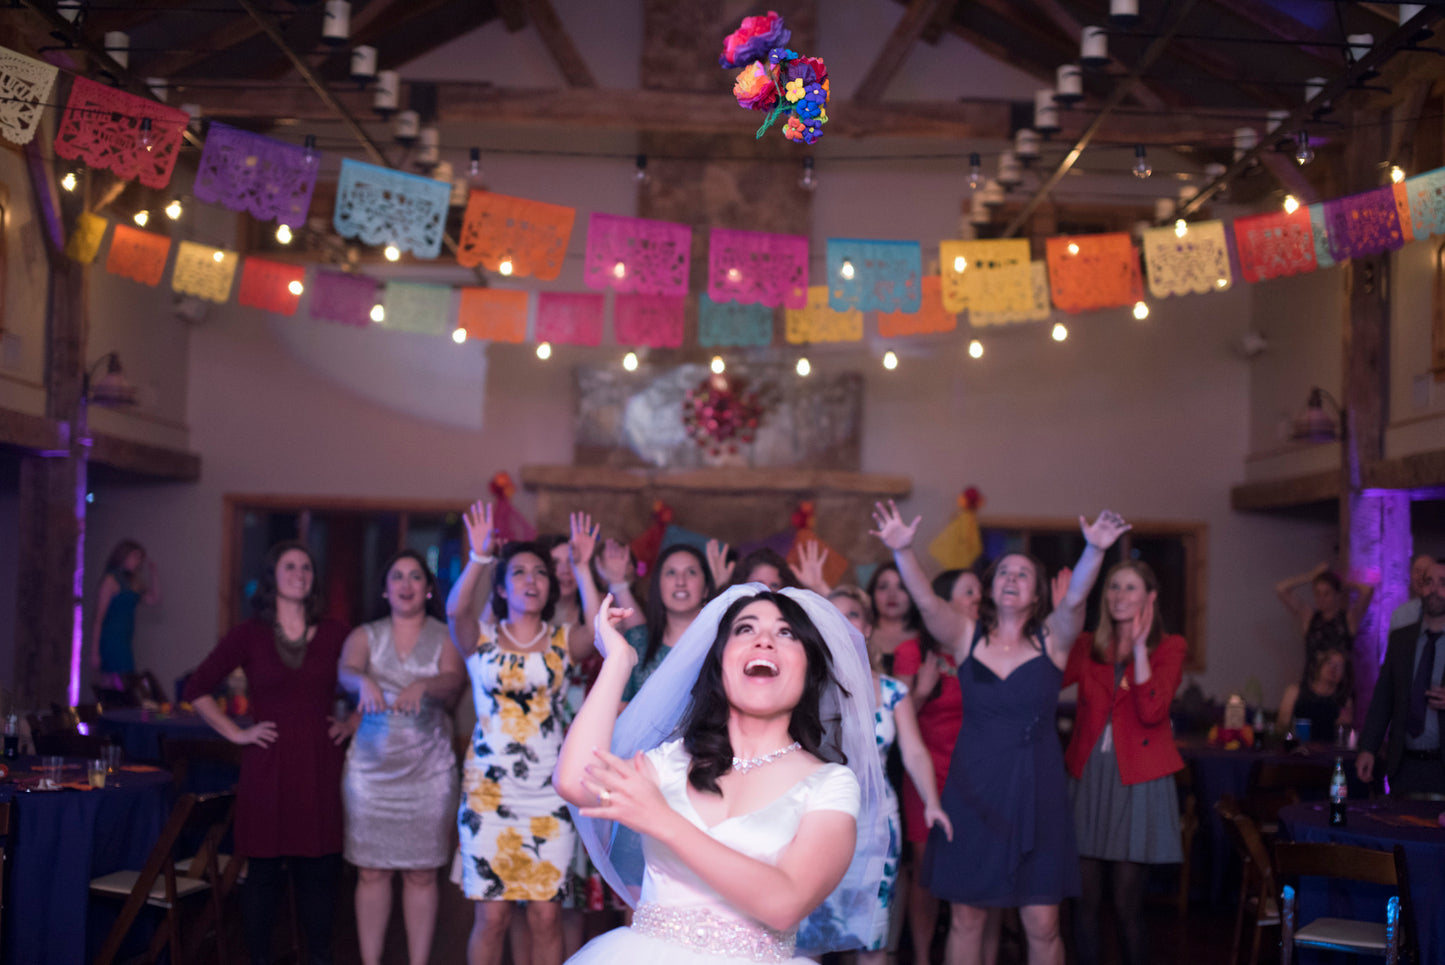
<point x="139" y="731"/>
<point x="60" y="840"/>
<point x="1218" y="772"/>
<point x="1380" y="825"/>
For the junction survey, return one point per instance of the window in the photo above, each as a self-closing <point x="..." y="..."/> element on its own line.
<point x="1176" y="551"/>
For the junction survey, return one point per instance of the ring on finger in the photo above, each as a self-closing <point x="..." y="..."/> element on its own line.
<point x="605" y="796"/>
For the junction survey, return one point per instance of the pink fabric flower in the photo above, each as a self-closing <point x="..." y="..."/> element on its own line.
<point x="753" y="39"/>
<point x="754" y="88"/>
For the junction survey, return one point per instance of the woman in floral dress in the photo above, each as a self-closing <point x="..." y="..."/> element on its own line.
<point x="517" y="838"/>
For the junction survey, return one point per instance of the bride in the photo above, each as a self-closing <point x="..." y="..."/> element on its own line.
<point x="742" y="791"/>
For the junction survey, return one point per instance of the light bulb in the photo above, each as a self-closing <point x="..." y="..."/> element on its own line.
<point x="147" y="134"/>
<point x="1397" y="174"/>
<point x="283" y="234"/>
<point x="975" y="349"/>
<point x="959" y="263"/>
<point x="68" y="182"/>
<point x="1073" y="248"/>
<point x="392" y="253"/>
<point x="1181" y="228"/>
<point x="735" y="275"/>
<point x="544" y="350"/>
<point x="629" y="361"/>
<point x="474" y="166"/>
<point x="218" y="256"/>
<point x="619" y="270"/>
<point x="718" y="366"/>
<point x="809" y="180"/>
<point x="640" y="175"/>
<point x="378" y="313"/>
<point x="1141" y="163"/>
<point x="846" y="270"/>
<point x="1221" y="282"/>
<point x="295" y="288"/>
<point x="804" y="366"/>
<point x="173" y="210"/>
<point x="506" y="266"/>
<point x="1060" y="332"/>
<point x="890" y="360"/>
<point x="1303" y="153"/>
<point x="975" y="172"/>
<point x="459" y="335"/>
<point x="308" y="154"/>
<point x="141" y="217"/>
<point x="1291" y="204"/>
<point x="1141" y="311"/>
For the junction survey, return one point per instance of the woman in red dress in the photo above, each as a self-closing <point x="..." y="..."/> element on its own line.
<point x="288" y="801"/>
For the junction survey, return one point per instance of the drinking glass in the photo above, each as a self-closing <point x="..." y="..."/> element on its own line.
<point x="50" y="771"/>
<point x="112" y="755"/>
<point x="96" y="772"/>
<point x="1302" y="728"/>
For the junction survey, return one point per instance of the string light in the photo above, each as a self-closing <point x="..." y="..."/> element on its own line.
<point x="735" y="275"/>
<point x="619" y="270"/>
<point x="1073" y="248"/>
<point x="804" y="367"/>
<point x="1060" y="332"/>
<point x="809" y="180"/>
<point x="544" y="350"/>
<point x="295" y="288"/>
<point x="459" y="335"/>
<point x="218" y="256"/>
<point x="68" y="182"/>
<point x="846" y="269"/>
<point x="378" y="313"/>
<point x="1141" y="162"/>
<point x="174" y="210"/>
<point x="1141" y="310"/>
<point x="309" y="153"/>
<point x="147" y="134"/>
<point x="629" y="361"/>
<point x="1181" y="228"/>
<point x="1291" y="204"/>
<point x="1397" y="174"/>
<point x="283" y="234"/>
<point x="141" y="217"/>
<point x="975" y="172"/>
<point x="1303" y="153"/>
<point x="392" y="253"/>
<point x="718" y="366"/>
<point x="1221" y="282"/>
<point x="640" y="175"/>
<point x="975" y="349"/>
<point x="890" y="360"/>
<point x="960" y="263"/>
<point x="506" y="266"/>
<point x="474" y="165"/>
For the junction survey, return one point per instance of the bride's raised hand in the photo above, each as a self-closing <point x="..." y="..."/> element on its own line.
<point x="892" y="530"/>
<point x="606" y="637"/>
<point x="1104" y="531"/>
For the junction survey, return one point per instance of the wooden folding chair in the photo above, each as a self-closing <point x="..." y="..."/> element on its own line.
<point x="1188" y="827"/>
<point x="1256" y="881"/>
<point x="160" y="885"/>
<point x="1392" y="940"/>
<point x="181" y="755"/>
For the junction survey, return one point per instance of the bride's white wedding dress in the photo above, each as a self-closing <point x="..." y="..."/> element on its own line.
<point x="680" y="919"/>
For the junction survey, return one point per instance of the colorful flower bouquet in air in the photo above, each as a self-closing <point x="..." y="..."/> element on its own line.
<point x="775" y="79"/>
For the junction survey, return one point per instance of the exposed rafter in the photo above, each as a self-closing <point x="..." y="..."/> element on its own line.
<point x="1142" y="92"/>
<point x="895" y="50"/>
<point x="1281" y="26"/>
<point x="559" y="43"/>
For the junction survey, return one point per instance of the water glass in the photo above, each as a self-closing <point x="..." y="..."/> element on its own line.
<point x="111" y="753"/>
<point x="1302" y="728"/>
<point x="50" y="768"/>
<point x="96" y="772"/>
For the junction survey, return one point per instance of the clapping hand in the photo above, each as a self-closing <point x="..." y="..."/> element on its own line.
<point x="1104" y="531"/>
<point x="478" y="521"/>
<point x="895" y="534"/>
<point x="717" y="563"/>
<point x="584" y="539"/>
<point x="1142" y="624"/>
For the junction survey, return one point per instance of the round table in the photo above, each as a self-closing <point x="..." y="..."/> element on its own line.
<point x="1379" y="825"/>
<point x="62" y="839"/>
<point x="139" y="731"/>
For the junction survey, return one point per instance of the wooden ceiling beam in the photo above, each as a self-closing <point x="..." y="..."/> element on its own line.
<point x="559" y="43"/>
<point x="937" y="25"/>
<point x="691" y="112"/>
<point x="1142" y="93"/>
<point x="202" y="48"/>
<point x="1282" y="27"/>
<point x="894" y="54"/>
<point x="514" y="14"/>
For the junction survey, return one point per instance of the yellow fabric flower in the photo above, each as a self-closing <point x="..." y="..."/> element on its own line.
<point x="523" y="878"/>
<point x="516" y="722"/>
<point x="512" y="677"/>
<point x="544" y="827"/>
<point x="794" y="90"/>
<point x="483" y="795"/>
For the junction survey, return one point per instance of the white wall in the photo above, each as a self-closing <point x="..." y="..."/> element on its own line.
<point x="1417" y="400"/>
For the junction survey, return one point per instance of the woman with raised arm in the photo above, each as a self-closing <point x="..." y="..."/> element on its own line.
<point x="681" y="582"/>
<point x="399" y="788"/>
<point x="1122" y="758"/>
<point x="516" y="836"/>
<point x="742" y="790"/>
<point x="1331" y="618"/>
<point x="1013" y="845"/>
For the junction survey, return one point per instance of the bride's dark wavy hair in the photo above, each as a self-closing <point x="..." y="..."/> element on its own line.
<point x="704" y="725"/>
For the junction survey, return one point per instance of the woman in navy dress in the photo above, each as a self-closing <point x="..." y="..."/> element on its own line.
<point x="1006" y="794"/>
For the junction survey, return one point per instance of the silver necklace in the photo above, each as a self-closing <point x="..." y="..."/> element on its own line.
<point x="752" y="763"/>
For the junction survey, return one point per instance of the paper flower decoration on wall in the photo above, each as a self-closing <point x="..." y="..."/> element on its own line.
<point x="720" y="415"/>
<point x="789" y="86"/>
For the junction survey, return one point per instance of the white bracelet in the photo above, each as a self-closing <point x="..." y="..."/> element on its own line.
<point x="480" y="560"/>
<point x="622" y="585"/>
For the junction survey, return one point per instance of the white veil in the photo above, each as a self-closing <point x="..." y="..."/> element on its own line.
<point x="653" y="716"/>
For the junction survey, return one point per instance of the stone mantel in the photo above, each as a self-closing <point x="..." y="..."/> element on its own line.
<point x="734" y="504"/>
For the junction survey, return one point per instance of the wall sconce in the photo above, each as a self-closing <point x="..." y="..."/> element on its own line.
<point x="1314" y="423"/>
<point x="111" y="390"/>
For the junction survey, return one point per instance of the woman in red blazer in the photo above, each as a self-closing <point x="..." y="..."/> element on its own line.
<point x="1122" y="756"/>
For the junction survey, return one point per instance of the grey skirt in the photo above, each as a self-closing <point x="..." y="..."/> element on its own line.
<point x="1112" y="822"/>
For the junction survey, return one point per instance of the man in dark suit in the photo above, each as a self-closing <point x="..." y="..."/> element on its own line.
<point x="1409" y="700"/>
